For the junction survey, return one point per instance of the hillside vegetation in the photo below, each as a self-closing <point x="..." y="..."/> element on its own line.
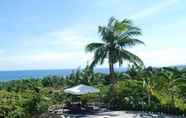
<point x="149" y="89"/>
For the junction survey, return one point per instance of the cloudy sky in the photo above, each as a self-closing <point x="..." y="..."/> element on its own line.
<point x="52" y="34"/>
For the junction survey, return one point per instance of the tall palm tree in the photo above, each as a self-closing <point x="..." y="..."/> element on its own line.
<point x="115" y="36"/>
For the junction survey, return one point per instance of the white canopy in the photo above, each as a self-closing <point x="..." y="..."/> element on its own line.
<point x="81" y="89"/>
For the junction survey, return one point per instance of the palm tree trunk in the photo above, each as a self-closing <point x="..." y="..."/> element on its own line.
<point x="173" y="100"/>
<point x="111" y="69"/>
<point x="149" y="96"/>
<point x="149" y="100"/>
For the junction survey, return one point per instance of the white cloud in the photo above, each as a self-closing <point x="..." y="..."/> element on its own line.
<point x="163" y="57"/>
<point x="63" y="48"/>
<point x="54" y="60"/>
<point x="45" y="60"/>
<point x="154" y="10"/>
<point x="2" y="51"/>
<point x="67" y="39"/>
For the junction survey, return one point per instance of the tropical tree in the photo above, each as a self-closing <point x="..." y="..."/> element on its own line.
<point x="149" y="83"/>
<point x="173" y="83"/>
<point x="116" y="37"/>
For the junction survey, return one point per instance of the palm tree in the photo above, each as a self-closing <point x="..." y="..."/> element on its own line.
<point x="149" y="83"/>
<point x="116" y="36"/>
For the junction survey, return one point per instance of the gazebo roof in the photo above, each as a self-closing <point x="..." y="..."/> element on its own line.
<point x="81" y="89"/>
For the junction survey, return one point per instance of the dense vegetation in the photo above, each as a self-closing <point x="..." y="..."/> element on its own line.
<point x="149" y="89"/>
<point x="140" y="89"/>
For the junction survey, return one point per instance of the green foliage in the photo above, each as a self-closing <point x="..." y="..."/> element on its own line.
<point x="116" y="36"/>
<point x="36" y="104"/>
<point x="18" y="113"/>
<point x="150" y="89"/>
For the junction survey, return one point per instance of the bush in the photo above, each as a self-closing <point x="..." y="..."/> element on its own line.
<point x="18" y="113"/>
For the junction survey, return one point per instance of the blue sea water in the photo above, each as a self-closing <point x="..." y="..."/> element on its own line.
<point x="14" y="75"/>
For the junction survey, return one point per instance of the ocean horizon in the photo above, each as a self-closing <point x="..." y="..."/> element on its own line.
<point x="6" y="75"/>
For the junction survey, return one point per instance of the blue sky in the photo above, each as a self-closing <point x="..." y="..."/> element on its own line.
<point x="51" y="34"/>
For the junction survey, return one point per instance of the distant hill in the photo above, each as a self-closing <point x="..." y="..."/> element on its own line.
<point x="181" y="66"/>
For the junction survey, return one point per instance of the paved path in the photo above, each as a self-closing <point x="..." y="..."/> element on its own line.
<point x="123" y="114"/>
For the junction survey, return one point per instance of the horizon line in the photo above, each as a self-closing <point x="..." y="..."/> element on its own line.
<point x="43" y="69"/>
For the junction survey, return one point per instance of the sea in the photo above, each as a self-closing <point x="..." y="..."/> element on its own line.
<point x="25" y="74"/>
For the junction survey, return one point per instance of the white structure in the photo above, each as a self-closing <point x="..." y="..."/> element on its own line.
<point x="81" y="89"/>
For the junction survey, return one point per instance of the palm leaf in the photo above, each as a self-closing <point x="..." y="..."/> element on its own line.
<point x="111" y="22"/>
<point x="126" y="55"/>
<point x="93" y="46"/>
<point x="127" y="21"/>
<point x="99" y="56"/>
<point x="124" y="42"/>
